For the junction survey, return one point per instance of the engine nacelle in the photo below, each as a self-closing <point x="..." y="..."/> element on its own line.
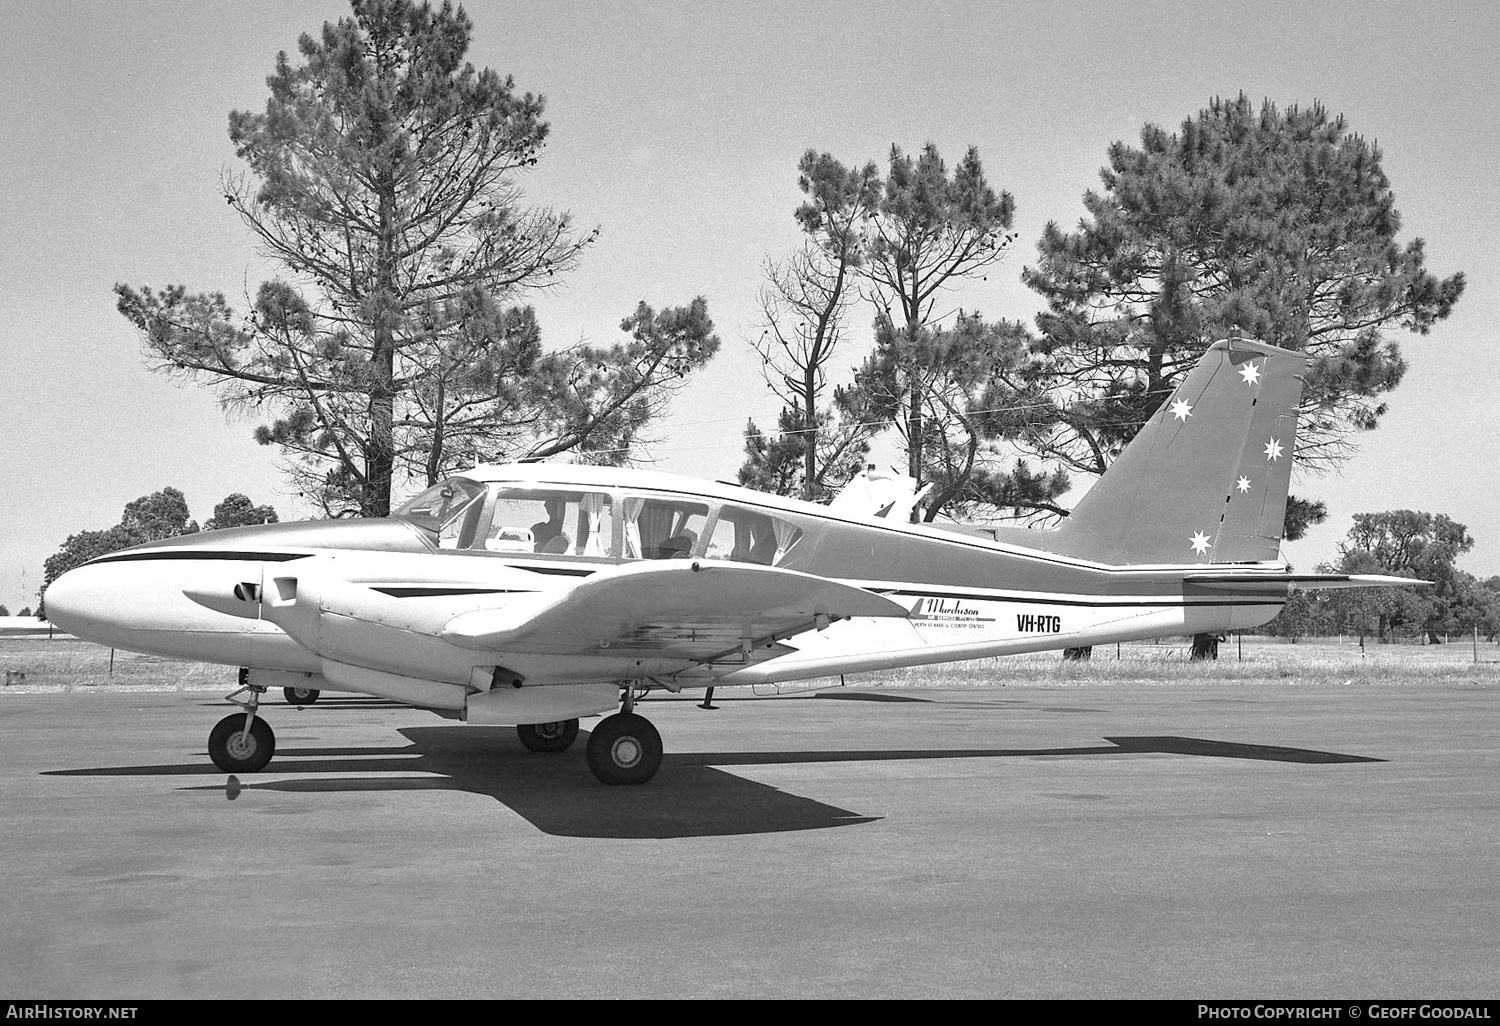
<point x="540" y="704"/>
<point x="429" y="694"/>
<point x="268" y="679"/>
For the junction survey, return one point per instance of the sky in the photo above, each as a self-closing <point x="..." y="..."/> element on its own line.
<point x="676" y="128"/>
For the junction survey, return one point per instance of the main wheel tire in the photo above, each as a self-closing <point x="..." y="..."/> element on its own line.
<point x="301" y="696"/>
<point x="624" y="749"/>
<point x="548" y="737"/>
<point x="235" y="751"/>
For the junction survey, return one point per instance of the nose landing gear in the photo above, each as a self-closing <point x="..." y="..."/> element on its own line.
<point x="241" y="743"/>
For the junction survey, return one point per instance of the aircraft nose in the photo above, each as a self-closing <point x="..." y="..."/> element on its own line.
<point x="80" y="601"/>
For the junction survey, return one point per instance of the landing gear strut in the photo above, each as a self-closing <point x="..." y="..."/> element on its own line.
<point x="624" y="748"/>
<point x="241" y="743"/>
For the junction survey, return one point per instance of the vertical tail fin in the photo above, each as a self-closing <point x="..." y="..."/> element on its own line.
<point x="1205" y="481"/>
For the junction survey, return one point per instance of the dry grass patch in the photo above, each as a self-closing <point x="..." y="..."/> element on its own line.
<point x="67" y="664"/>
<point x="1250" y="660"/>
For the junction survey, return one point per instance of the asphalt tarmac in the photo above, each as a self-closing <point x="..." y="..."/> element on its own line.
<point x="1166" y="841"/>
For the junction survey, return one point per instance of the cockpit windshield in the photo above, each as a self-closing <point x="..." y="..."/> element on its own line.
<point x="441" y="508"/>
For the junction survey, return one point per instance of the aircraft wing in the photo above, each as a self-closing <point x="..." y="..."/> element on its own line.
<point x="700" y="611"/>
<point x="1309" y="582"/>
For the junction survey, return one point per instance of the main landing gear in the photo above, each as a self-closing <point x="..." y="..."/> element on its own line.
<point x="301" y="696"/>
<point x="241" y="743"/>
<point x="548" y="737"/>
<point x="624" y="748"/>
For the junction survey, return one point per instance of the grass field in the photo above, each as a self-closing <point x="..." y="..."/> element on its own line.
<point x="67" y="664"/>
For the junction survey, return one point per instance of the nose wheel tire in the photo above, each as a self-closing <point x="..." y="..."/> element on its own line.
<point x="234" y="750"/>
<point x="624" y="749"/>
<point x="548" y="737"/>
<point x="301" y="696"/>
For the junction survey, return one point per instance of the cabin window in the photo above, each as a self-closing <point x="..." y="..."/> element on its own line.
<point x="550" y="521"/>
<point x="662" y="528"/>
<point x="750" y="536"/>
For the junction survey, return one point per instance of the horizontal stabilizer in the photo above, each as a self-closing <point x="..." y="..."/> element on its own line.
<point x="1306" y="582"/>
<point x="1309" y="582"/>
<point x="697" y="611"/>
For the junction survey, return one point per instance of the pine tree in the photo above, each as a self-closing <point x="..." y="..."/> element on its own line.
<point x="237" y="510"/>
<point x="383" y="177"/>
<point x="804" y="307"/>
<point x="953" y="369"/>
<point x="1279" y="226"/>
<point x="929" y="232"/>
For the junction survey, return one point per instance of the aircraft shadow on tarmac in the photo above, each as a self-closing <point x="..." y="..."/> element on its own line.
<point x="691" y="796"/>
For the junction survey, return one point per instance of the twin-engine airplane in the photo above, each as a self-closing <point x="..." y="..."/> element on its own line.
<point x="535" y="594"/>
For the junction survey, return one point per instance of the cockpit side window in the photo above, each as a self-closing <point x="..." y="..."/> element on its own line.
<point x="550" y="521"/>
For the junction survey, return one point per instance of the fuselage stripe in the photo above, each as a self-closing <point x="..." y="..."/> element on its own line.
<point x="1082" y="603"/>
<point x="268" y="557"/>
<point x="432" y="591"/>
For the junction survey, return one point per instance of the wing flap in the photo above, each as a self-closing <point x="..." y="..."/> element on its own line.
<point x="699" y="612"/>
